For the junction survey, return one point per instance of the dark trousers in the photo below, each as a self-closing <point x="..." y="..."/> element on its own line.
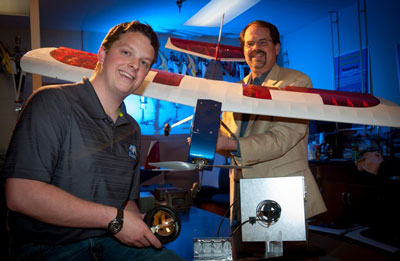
<point x="98" y="248"/>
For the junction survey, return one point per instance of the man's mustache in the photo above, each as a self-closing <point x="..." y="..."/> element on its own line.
<point x="253" y="53"/>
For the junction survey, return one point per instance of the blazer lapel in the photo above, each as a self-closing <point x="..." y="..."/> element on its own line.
<point x="245" y="80"/>
<point x="237" y="120"/>
<point x="271" y="80"/>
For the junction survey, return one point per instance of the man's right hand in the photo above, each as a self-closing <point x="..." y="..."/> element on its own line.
<point x="225" y="143"/>
<point x="136" y="233"/>
<point x="50" y="204"/>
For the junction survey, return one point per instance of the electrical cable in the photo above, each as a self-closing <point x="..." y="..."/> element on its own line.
<point x="224" y="216"/>
<point x="201" y="174"/>
<point x="251" y="220"/>
<point x="237" y="228"/>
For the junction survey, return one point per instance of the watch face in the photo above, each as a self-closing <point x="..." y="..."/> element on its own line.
<point x="115" y="226"/>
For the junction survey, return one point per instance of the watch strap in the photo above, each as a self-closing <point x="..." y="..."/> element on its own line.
<point x="120" y="214"/>
<point x="116" y="224"/>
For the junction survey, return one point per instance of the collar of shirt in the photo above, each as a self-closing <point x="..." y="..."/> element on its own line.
<point x="93" y="104"/>
<point x="258" y="80"/>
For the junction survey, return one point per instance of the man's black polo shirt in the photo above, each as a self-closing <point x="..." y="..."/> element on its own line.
<point x="63" y="137"/>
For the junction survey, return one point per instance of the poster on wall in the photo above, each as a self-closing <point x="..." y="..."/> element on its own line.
<point x="350" y="76"/>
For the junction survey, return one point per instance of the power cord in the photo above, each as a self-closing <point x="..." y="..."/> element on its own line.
<point x="225" y="215"/>
<point x="251" y="220"/>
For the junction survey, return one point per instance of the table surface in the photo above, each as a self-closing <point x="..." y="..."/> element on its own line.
<point x="197" y="223"/>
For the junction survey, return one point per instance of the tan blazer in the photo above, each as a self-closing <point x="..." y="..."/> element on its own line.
<point x="275" y="146"/>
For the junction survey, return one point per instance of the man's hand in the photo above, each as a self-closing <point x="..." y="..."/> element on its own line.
<point x="136" y="233"/>
<point x="223" y="143"/>
<point x="50" y="204"/>
<point x="226" y="143"/>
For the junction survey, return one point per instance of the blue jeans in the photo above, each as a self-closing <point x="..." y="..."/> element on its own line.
<point x="97" y="248"/>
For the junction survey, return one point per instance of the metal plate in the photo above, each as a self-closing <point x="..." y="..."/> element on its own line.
<point x="204" y="131"/>
<point x="217" y="248"/>
<point x="288" y="192"/>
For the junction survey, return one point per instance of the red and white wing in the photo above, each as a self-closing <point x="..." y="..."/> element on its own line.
<point x="42" y="61"/>
<point x="226" y="53"/>
<point x="292" y="102"/>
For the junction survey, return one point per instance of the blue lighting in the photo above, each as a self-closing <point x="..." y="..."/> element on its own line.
<point x="153" y="114"/>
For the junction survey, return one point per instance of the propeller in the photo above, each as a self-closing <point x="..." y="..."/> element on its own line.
<point x="199" y="164"/>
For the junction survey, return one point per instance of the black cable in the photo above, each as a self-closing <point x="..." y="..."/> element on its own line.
<point x="201" y="173"/>
<point x="241" y="224"/>
<point x="237" y="228"/>
<point x="224" y="216"/>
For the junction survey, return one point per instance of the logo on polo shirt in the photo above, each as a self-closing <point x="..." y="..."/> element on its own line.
<point x="132" y="151"/>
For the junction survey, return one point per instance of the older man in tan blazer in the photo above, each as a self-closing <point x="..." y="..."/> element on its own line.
<point x="272" y="146"/>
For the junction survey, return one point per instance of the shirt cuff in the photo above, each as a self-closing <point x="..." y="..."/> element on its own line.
<point x="237" y="152"/>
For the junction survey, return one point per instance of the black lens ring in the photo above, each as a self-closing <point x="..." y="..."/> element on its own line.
<point x="149" y="218"/>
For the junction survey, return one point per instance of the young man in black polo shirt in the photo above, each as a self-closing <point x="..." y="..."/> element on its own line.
<point x="72" y="168"/>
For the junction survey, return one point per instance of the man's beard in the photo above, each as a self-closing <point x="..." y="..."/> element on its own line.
<point x="258" y="64"/>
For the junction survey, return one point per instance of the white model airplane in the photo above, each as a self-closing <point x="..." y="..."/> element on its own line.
<point x="290" y="101"/>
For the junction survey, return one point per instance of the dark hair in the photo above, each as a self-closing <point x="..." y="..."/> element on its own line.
<point x="272" y="28"/>
<point x="115" y="33"/>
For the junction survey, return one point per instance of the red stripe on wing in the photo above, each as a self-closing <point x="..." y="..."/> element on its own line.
<point x="225" y="51"/>
<point x="336" y="98"/>
<point x="167" y="78"/>
<point x="347" y="99"/>
<point x="256" y="91"/>
<point x="75" y="57"/>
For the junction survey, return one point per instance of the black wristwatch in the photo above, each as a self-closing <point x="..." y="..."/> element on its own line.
<point x="115" y="225"/>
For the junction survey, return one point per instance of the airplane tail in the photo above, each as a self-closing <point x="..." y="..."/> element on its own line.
<point x="164" y="61"/>
<point x="191" y="65"/>
<point x="153" y="155"/>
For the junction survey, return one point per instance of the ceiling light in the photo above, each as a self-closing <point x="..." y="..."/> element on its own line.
<point x="210" y="15"/>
